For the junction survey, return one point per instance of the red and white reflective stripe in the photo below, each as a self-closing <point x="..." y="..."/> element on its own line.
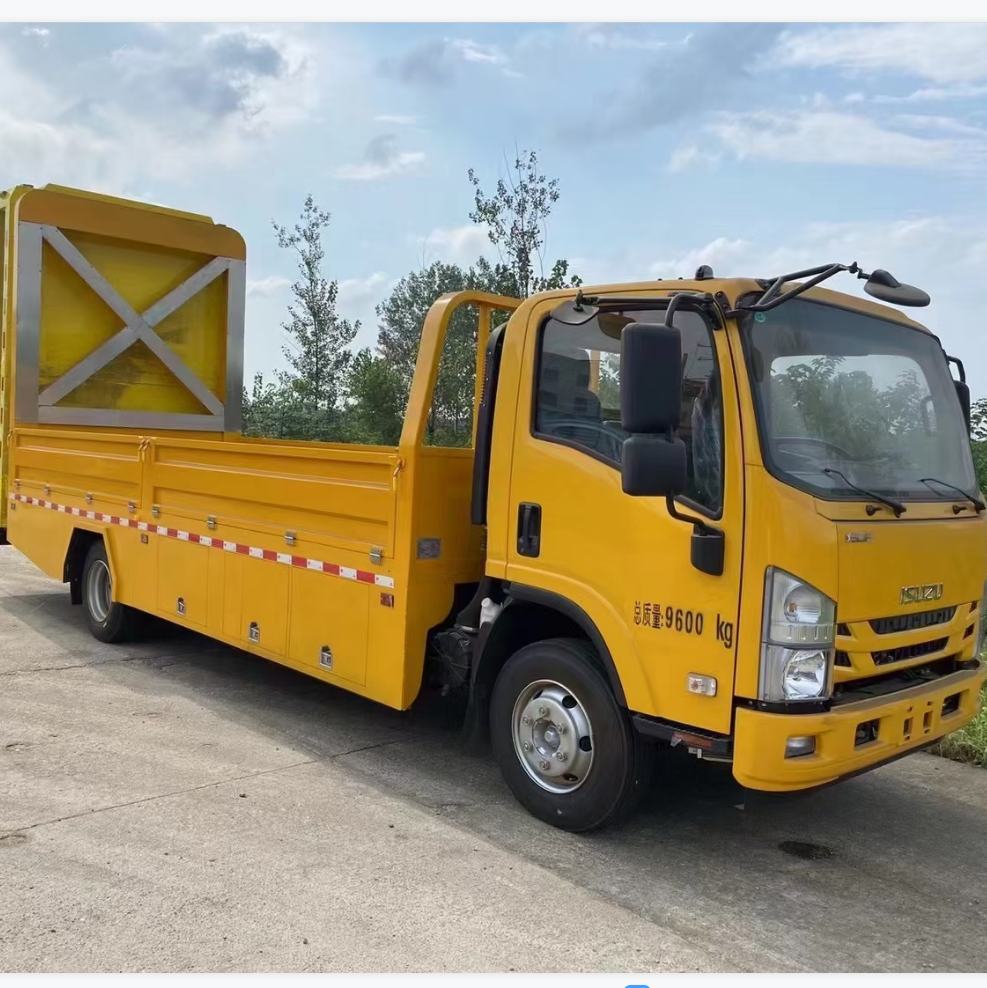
<point x="287" y="559"/>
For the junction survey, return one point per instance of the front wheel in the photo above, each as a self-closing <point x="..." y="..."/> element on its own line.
<point x="565" y="747"/>
<point x="109" y="621"/>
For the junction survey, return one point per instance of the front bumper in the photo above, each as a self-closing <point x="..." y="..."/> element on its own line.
<point x="907" y="720"/>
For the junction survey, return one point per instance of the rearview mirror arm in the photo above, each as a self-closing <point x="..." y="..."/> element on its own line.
<point x="771" y="297"/>
<point x="707" y="542"/>
<point x="674" y="512"/>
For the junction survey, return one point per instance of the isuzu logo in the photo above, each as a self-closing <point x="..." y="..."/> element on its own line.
<point x="917" y="595"/>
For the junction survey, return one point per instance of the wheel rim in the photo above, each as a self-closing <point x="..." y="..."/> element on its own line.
<point x="99" y="591"/>
<point x="553" y="736"/>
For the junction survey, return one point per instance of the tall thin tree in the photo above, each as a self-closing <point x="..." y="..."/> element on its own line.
<point x="318" y="339"/>
<point x="516" y="218"/>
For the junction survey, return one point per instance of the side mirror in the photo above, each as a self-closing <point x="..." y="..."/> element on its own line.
<point x="885" y="286"/>
<point x="963" y="393"/>
<point x="653" y="463"/>
<point x="650" y="378"/>
<point x="653" y="466"/>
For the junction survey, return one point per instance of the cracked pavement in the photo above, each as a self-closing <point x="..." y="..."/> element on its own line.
<point x="177" y="805"/>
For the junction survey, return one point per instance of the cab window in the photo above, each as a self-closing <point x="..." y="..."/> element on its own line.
<point x="577" y="398"/>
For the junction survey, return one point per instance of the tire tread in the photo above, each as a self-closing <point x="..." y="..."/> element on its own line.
<point x="122" y="623"/>
<point x="633" y="776"/>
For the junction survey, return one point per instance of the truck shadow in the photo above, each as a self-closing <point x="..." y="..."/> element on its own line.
<point x="890" y="865"/>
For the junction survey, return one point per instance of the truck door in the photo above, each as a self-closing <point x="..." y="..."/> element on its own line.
<point x="623" y="560"/>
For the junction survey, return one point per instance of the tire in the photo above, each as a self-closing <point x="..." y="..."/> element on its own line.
<point x="109" y="621"/>
<point x="559" y="684"/>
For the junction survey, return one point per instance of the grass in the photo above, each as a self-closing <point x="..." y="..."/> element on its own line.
<point x="970" y="743"/>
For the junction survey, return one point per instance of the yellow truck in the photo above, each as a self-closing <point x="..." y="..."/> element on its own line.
<point x="737" y="517"/>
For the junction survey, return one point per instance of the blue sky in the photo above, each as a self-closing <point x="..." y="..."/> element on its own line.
<point x="757" y="148"/>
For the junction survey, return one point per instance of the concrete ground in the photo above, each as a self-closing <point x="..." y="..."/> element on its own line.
<point x="177" y="805"/>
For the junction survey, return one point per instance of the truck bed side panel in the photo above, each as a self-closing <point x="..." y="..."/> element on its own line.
<point x="269" y="546"/>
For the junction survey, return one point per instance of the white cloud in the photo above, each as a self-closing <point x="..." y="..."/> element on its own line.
<point x="37" y="32"/>
<point x="836" y="138"/>
<point x="398" y="119"/>
<point x="907" y="244"/>
<point x="30" y="148"/>
<point x="270" y="285"/>
<point x="718" y="253"/>
<point x="942" y="53"/>
<point x="932" y="94"/>
<point x="358" y="299"/>
<point x="25" y="94"/>
<point x="436" y="61"/>
<point x="610" y="36"/>
<point x="358" y="291"/>
<point x="691" y="156"/>
<point x="367" y="171"/>
<point x="473" y="52"/>
<point x="928" y="94"/>
<point x="455" y="244"/>
<point x="381" y="159"/>
<point x="255" y="78"/>
<point x="948" y="125"/>
<point x="161" y="105"/>
<point x="706" y="70"/>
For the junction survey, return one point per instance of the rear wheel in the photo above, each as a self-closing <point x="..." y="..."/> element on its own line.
<point x="108" y="620"/>
<point x="565" y="747"/>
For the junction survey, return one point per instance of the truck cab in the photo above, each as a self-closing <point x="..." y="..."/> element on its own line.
<point x="749" y="528"/>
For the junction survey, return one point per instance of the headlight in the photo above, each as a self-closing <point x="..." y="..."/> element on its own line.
<point x="797" y="640"/>
<point x="795" y="673"/>
<point x="796" y="613"/>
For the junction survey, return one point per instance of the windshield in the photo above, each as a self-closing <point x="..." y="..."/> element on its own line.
<point x="845" y="392"/>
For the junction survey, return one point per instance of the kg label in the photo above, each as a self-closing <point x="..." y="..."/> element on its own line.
<point x="724" y="632"/>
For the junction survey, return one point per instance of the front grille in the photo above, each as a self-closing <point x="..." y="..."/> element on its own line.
<point x="891" y="681"/>
<point x="908" y="652"/>
<point x="912" y="622"/>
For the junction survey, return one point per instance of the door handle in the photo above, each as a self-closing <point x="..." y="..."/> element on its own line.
<point x="528" y="529"/>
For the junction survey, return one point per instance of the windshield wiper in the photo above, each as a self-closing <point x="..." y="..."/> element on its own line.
<point x="977" y="504"/>
<point x="896" y="506"/>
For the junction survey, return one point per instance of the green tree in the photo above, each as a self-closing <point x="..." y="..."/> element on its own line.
<point x="318" y="338"/>
<point x="276" y="410"/>
<point x="609" y="388"/>
<point x="379" y="395"/>
<point x="401" y="318"/>
<point x="261" y="409"/>
<point x="401" y="315"/>
<point x="978" y="440"/>
<point x="331" y="394"/>
<point x="516" y="218"/>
